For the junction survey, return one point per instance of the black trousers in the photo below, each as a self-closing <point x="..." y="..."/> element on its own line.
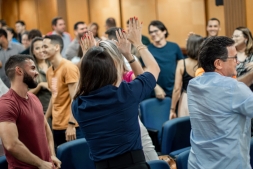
<point x="60" y="138"/>
<point x="130" y="160"/>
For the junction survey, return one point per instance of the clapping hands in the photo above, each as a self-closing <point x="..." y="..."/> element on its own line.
<point x="133" y="36"/>
<point x="87" y="41"/>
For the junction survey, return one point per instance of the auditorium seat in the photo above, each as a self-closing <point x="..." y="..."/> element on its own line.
<point x="3" y="163"/>
<point x="75" y="155"/>
<point x="154" y="113"/>
<point x="182" y="159"/>
<point x="176" y="136"/>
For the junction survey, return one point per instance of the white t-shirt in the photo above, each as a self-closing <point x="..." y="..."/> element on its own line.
<point x="3" y="88"/>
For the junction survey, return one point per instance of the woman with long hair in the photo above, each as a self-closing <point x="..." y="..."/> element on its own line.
<point x="185" y="71"/>
<point x="106" y="107"/>
<point x="93" y="27"/>
<point x="42" y="65"/>
<point x="244" y="47"/>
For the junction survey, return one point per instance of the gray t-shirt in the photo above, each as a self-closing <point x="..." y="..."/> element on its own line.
<point x="13" y="49"/>
<point x="72" y="49"/>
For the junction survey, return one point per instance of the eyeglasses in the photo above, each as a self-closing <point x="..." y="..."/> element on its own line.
<point x="154" y="31"/>
<point x="233" y="57"/>
<point x="236" y="36"/>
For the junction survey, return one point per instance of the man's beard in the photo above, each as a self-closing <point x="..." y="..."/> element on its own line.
<point x="29" y="81"/>
<point x="80" y="35"/>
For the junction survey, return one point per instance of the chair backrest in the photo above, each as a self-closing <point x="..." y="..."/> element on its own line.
<point x="158" y="164"/>
<point x="75" y="155"/>
<point x="176" y="134"/>
<point x="182" y="160"/>
<point x="3" y="162"/>
<point x="251" y="152"/>
<point x="154" y="113"/>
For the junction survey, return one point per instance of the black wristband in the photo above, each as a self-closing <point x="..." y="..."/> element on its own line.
<point x="72" y="123"/>
<point x="131" y="61"/>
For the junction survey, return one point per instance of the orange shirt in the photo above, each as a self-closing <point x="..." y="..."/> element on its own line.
<point x="200" y="71"/>
<point x="58" y="81"/>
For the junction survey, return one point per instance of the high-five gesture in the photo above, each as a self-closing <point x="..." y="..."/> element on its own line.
<point x="123" y="44"/>
<point x="134" y="34"/>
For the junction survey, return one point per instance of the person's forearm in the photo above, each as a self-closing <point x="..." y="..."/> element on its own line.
<point x="50" y="139"/>
<point x="49" y="109"/>
<point x="149" y="61"/>
<point x="136" y="67"/>
<point x="246" y="78"/>
<point x="21" y="152"/>
<point x="175" y="98"/>
<point x="72" y="118"/>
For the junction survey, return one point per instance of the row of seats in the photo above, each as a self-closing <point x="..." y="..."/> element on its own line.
<point x="170" y="137"/>
<point x="75" y="155"/>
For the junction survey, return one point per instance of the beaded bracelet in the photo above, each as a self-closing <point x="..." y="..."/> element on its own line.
<point x="140" y="47"/>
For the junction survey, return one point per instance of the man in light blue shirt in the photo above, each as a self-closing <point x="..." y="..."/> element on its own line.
<point x="221" y="109"/>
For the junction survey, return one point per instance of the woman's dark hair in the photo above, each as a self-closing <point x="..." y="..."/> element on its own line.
<point x="160" y="26"/>
<point x="97" y="70"/>
<point x="247" y="34"/>
<point x="193" y="45"/>
<point x="40" y="77"/>
<point x="15" y="35"/>
<point x="34" y="33"/>
<point x="95" y="24"/>
<point x="213" y="48"/>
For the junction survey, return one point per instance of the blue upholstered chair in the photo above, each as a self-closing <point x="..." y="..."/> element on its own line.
<point x="75" y="155"/>
<point x="158" y="164"/>
<point x="251" y="152"/>
<point x="3" y="163"/>
<point x="176" y="136"/>
<point x="182" y="160"/>
<point x="154" y="113"/>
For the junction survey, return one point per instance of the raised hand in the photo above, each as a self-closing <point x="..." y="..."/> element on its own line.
<point x="87" y="41"/>
<point x="123" y="44"/>
<point x="134" y="33"/>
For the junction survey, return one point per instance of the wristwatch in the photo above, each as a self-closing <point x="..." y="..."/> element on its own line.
<point x="72" y="123"/>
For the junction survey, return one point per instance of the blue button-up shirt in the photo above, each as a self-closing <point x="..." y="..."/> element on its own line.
<point x="220" y="112"/>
